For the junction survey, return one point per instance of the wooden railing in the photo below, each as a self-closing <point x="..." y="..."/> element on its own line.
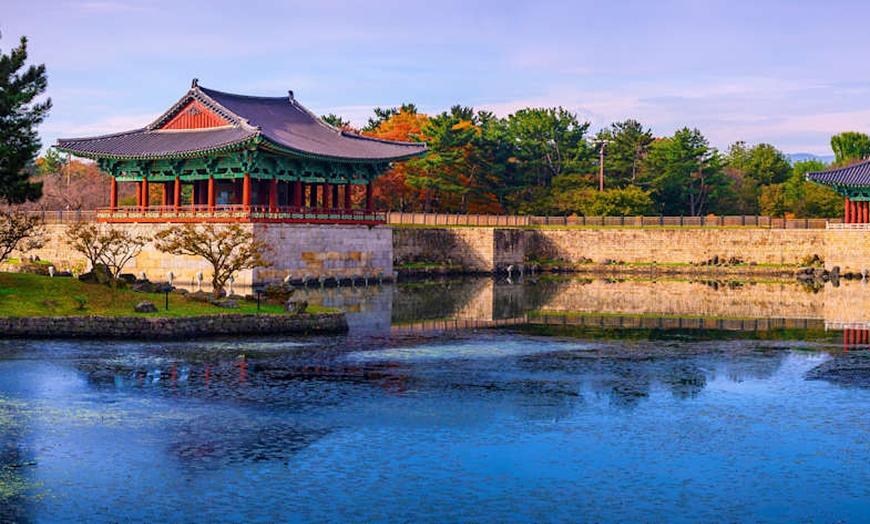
<point x="433" y="219"/>
<point x="240" y="213"/>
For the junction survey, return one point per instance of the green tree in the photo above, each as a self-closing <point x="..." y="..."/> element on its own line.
<point x="684" y="174"/>
<point x="227" y="248"/>
<point x="335" y="121"/>
<point x="547" y="143"/>
<point x="751" y="169"/>
<point x="440" y="172"/>
<point x="19" y="116"/>
<point x="850" y="147"/>
<point x="627" y="144"/>
<point x="809" y="200"/>
<point x="589" y="201"/>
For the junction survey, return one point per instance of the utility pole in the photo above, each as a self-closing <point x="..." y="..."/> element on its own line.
<point x="601" y="143"/>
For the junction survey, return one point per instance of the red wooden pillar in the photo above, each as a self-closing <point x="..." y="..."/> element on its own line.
<point x="312" y="200"/>
<point x="369" y="200"/>
<point x="273" y="195"/>
<point x="113" y="195"/>
<point x="327" y="193"/>
<point x="144" y="188"/>
<point x="347" y="195"/>
<point x="176" y="198"/>
<point x="164" y="196"/>
<point x="847" y="217"/>
<point x="246" y="191"/>
<point x="866" y="212"/>
<point x="297" y="193"/>
<point x="211" y="193"/>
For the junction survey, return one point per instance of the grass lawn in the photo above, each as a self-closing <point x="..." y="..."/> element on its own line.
<point x="26" y="295"/>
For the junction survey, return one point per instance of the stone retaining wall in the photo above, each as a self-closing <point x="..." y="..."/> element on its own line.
<point x="298" y="251"/>
<point x="171" y="327"/>
<point x="489" y="249"/>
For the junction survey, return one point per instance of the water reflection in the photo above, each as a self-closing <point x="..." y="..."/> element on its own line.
<point x="706" y="403"/>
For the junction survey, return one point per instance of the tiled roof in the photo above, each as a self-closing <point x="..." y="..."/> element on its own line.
<point x="281" y="123"/>
<point x="143" y="143"/>
<point x="284" y="122"/>
<point x="854" y="175"/>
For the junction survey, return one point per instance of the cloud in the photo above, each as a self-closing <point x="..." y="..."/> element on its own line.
<point x="113" y="7"/>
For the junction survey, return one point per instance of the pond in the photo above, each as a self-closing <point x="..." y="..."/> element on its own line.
<point x="462" y="401"/>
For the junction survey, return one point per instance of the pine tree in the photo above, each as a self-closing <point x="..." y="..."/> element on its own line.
<point x="19" y="116"/>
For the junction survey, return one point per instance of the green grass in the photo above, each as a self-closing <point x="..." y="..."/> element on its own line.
<point x="26" y="295"/>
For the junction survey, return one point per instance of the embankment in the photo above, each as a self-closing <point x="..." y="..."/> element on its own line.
<point x="171" y="328"/>
<point x="487" y="250"/>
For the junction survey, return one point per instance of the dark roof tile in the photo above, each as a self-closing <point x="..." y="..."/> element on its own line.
<point x="854" y="175"/>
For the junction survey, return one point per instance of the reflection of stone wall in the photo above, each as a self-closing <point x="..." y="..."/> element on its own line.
<point x="848" y="304"/>
<point x="688" y="299"/>
<point x="299" y="250"/>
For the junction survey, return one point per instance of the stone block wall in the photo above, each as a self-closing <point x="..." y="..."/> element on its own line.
<point x="847" y="249"/>
<point x="475" y="249"/>
<point x="676" y="246"/>
<point x="490" y="249"/>
<point x="299" y="250"/>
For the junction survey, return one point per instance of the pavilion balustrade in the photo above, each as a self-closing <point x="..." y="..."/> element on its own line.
<point x="266" y="199"/>
<point x="239" y="213"/>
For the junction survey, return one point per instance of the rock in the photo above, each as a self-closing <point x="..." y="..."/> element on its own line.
<point x="146" y="286"/>
<point x="227" y="304"/>
<point x="278" y="292"/>
<point x="297" y="307"/>
<point x="145" y="307"/>
<point x="199" y="296"/>
<point x="98" y="275"/>
<point x="129" y="278"/>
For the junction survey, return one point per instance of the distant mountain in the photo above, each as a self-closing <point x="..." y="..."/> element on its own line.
<point x="799" y="157"/>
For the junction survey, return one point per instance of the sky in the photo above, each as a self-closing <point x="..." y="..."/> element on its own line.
<point x="788" y="73"/>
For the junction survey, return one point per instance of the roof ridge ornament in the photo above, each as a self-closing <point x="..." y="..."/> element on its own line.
<point x="194" y="83"/>
<point x="290" y="95"/>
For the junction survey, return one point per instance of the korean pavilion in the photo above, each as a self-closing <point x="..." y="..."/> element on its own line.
<point x="853" y="184"/>
<point x="221" y="157"/>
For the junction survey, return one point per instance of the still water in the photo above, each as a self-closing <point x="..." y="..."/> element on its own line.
<point x="674" y="407"/>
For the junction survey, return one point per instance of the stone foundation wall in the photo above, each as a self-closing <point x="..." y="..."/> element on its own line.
<point x="847" y="249"/>
<point x="299" y="250"/>
<point x="170" y="328"/>
<point x="489" y="249"/>
<point x="677" y="246"/>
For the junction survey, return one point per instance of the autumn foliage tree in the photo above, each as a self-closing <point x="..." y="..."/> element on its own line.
<point x="74" y="184"/>
<point x="19" y="231"/>
<point x="390" y="190"/>
<point x="106" y="246"/>
<point x="227" y="248"/>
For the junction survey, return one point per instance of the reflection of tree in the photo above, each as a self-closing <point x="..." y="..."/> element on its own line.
<point x="220" y="441"/>
<point x="14" y="463"/>
<point x="850" y="369"/>
<point x="685" y="379"/>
